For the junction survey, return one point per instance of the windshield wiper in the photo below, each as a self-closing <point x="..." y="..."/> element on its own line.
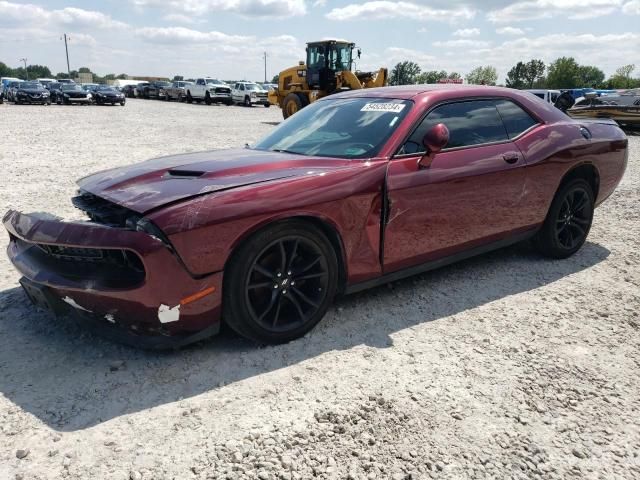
<point x="280" y="150"/>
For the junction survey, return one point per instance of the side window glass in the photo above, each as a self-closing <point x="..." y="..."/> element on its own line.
<point x="241" y="86"/>
<point x="470" y="123"/>
<point x="515" y="119"/>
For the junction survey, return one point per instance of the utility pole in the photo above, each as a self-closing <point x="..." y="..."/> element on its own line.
<point x="25" y="67"/>
<point x="66" y="48"/>
<point x="265" y="67"/>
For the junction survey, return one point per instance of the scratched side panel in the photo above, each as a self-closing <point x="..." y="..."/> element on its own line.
<point x="205" y="230"/>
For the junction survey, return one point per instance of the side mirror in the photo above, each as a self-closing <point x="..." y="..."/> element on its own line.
<point x="436" y="138"/>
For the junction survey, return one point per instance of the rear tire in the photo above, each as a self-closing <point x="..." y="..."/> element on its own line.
<point x="280" y="282"/>
<point x="568" y="222"/>
<point x="189" y="98"/>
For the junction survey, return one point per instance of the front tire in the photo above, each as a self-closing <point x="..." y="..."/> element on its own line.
<point x="568" y="222"/>
<point x="279" y="284"/>
<point x="247" y="102"/>
<point x="293" y="103"/>
<point x="207" y="99"/>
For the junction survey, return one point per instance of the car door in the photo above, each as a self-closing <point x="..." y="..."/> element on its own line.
<point x="470" y="193"/>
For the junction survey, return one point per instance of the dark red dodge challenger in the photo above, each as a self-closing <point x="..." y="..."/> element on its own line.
<point x="360" y="188"/>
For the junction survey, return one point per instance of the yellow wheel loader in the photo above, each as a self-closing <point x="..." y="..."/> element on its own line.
<point x="327" y="70"/>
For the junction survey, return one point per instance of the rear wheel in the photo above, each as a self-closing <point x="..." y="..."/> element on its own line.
<point x="568" y="222"/>
<point x="280" y="283"/>
<point x="189" y="98"/>
<point x="293" y="103"/>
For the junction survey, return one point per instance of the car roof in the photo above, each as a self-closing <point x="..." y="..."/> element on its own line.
<point x="406" y="92"/>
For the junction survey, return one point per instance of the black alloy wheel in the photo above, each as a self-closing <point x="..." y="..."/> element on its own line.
<point x="280" y="283"/>
<point x="569" y="220"/>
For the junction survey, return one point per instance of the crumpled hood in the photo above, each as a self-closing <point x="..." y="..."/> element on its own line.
<point x="151" y="184"/>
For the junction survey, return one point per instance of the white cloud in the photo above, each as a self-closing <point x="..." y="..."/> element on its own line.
<point x="12" y="14"/>
<point x="247" y="8"/>
<point x="467" y="32"/>
<point x="510" y="31"/>
<point x="383" y="9"/>
<point x="632" y="7"/>
<point x="181" y="18"/>
<point x="462" y="43"/>
<point x="537" y="9"/>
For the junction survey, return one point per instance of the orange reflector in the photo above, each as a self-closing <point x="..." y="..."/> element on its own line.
<point x="197" y="296"/>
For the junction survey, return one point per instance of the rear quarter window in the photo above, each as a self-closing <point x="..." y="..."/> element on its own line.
<point x="515" y="119"/>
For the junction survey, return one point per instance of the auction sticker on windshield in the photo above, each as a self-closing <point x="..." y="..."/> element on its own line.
<point x="383" y="107"/>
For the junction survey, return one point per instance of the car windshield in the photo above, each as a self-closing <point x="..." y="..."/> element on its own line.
<point x="343" y="128"/>
<point x="214" y="81"/>
<point x="106" y="89"/>
<point x="251" y="86"/>
<point x="31" y="86"/>
<point x="71" y="87"/>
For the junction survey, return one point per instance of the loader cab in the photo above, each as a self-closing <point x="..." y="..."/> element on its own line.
<point x="324" y="60"/>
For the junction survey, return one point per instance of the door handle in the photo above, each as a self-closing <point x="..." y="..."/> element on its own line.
<point x="511" y="157"/>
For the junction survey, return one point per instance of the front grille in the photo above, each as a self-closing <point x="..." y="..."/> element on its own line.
<point x="103" y="211"/>
<point x="101" y="267"/>
<point x="223" y="90"/>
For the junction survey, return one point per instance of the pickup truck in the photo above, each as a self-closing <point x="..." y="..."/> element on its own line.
<point x="177" y="90"/>
<point x="249" y="94"/>
<point x="210" y="90"/>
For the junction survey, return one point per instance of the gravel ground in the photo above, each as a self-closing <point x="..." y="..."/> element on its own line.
<point x="503" y="366"/>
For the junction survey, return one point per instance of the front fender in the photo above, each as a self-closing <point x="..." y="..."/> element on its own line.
<point x="205" y="230"/>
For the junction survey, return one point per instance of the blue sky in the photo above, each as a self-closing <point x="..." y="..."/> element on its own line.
<point x="226" y="38"/>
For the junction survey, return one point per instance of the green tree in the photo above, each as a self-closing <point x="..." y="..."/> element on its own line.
<point x="122" y="76"/>
<point x="533" y="72"/>
<point x="486" y="75"/>
<point x="5" y="70"/>
<point x="431" y="76"/>
<point x="178" y="78"/>
<point x="404" y="73"/>
<point x="275" y="79"/>
<point x="622" y="77"/>
<point x="515" y="76"/>
<point x="84" y="70"/>
<point x="563" y="73"/>
<point x="589" y="76"/>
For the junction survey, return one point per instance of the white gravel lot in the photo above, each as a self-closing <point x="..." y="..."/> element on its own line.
<point x="504" y="366"/>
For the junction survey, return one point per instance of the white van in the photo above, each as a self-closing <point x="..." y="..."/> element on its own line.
<point x="548" y="95"/>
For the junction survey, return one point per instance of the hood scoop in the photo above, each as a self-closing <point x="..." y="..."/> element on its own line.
<point x="184" y="173"/>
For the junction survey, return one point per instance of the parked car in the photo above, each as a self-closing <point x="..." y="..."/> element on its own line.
<point x="269" y="86"/>
<point x="55" y="91"/>
<point x="386" y="183"/>
<point x="209" y="90"/>
<point x="88" y="87"/>
<point x="138" y="90"/>
<point x="66" y="80"/>
<point x="550" y="96"/>
<point x="155" y="89"/>
<point x="12" y="88"/>
<point x="5" y="81"/>
<point x="32" y="92"/>
<point x="1" y="93"/>
<point x="129" y="91"/>
<point x="249" y="94"/>
<point x="104" y="94"/>
<point x="46" y="81"/>
<point x="177" y="91"/>
<point x="72" y="93"/>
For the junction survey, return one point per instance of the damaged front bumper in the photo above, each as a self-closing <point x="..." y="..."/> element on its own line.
<point x="127" y="284"/>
